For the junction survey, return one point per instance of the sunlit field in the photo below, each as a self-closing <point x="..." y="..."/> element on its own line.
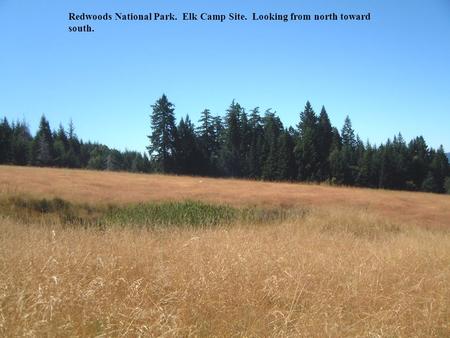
<point x="85" y="253"/>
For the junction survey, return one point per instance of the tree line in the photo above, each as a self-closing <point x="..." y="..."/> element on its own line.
<point x="62" y="148"/>
<point x="258" y="146"/>
<point x="242" y="144"/>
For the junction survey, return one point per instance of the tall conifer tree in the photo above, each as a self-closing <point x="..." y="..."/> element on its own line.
<point x="164" y="134"/>
<point x="206" y="139"/>
<point x="6" y="134"/>
<point x="254" y="157"/>
<point x="306" y="150"/>
<point x="42" y="147"/>
<point x="325" y="140"/>
<point x="231" y="147"/>
<point x="188" y="154"/>
<point x="21" y="143"/>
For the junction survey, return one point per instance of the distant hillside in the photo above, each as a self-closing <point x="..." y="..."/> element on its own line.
<point x="448" y="156"/>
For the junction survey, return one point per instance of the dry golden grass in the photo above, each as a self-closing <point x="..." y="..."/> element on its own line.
<point x="333" y="273"/>
<point x="361" y="264"/>
<point x="93" y="186"/>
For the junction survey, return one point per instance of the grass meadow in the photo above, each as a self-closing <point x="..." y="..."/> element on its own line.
<point x="97" y="254"/>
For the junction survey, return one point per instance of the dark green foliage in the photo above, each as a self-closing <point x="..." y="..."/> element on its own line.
<point x="429" y="184"/>
<point x="66" y="150"/>
<point x="21" y="143"/>
<point x="242" y="146"/>
<point x="42" y="146"/>
<point x="325" y="142"/>
<point x="61" y="148"/>
<point x="419" y="155"/>
<point x="97" y="157"/>
<point x="336" y="140"/>
<point x="336" y="167"/>
<point x="348" y="134"/>
<point x="6" y="134"/>
<point x="77" y="156"/>
<point x="439" y="169"/>
<point x="217" y="146"/>
<point x="134" y="161"/>
<point x="307" y="145"/>
<point x="231" y="156"/>
<point x="272" y="130"/>
<point x="254" y="157"/>
<point x="447" y="185"/>
<point x="367" y="173"/>
<point x="114" y="161"/>
<point x="387" y="170"/>
<point x="400" y="162"/>
<point x="208" y="142"/>
<point x="189" y="157"/>
<point x="287" y="168"/>
<point x="164" y="135"/>
<point x="348" y="153"/>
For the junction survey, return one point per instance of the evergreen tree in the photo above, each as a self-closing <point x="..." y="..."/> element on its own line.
<point x="74" y="156"/>
<point x="325" y="140"/>
<point x="114" y="161"/>
<point x="244" y="148"/>
<point x="429" y="183"/>
<point x="348" y="134"/>
<point x="447" y="185"/>
<point x="393" y="164"/>
<point x="387" y="168"/>
<point x="188" y="154"/>
<point x="207" y="142"/>
<point x="145" y="167"/>
<point x="6" y="134"/>
<point x="359" y="149"/>
<point x="337" y="166"/>
<point x="348" y="153"/>
<point x="336" y="140"/>
<point x="439" y="169"/>
<point x="420" y="158"/>
<point x="400" y="154"/>
<point x="272" y="128"/>
<point x="21" y="143"/>
<point x="306" y="149"/>
<point x="61" y="147"/>
<point x="84" y="154"/>
<point x="349" y="167"/>
<point x="254" y="157"/>
<point x="164" y="134"/>
<point x="366" y="177"/>
<point x="287" y="169"/>
<point x="42" y="146"/>
<point x="131" y="161"/>
<point x="98" y="157"/>
<point x="231" y="148"/>
<point x="219" y="132"/>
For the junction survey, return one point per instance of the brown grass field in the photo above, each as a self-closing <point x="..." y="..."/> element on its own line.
<point x="353" y="263"/>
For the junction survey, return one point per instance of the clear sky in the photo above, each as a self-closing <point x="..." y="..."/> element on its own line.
<point x="389" y="75"/>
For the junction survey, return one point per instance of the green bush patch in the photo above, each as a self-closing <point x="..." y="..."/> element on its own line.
<point x="153" y="214"/>
<point x="186" y="213"/>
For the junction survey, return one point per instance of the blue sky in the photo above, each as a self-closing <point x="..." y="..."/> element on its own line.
<point x="389" y="75"/>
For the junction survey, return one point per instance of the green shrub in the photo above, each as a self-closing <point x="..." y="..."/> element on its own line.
<point x="187" y="213"/>
<point x="154" y="214"/>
